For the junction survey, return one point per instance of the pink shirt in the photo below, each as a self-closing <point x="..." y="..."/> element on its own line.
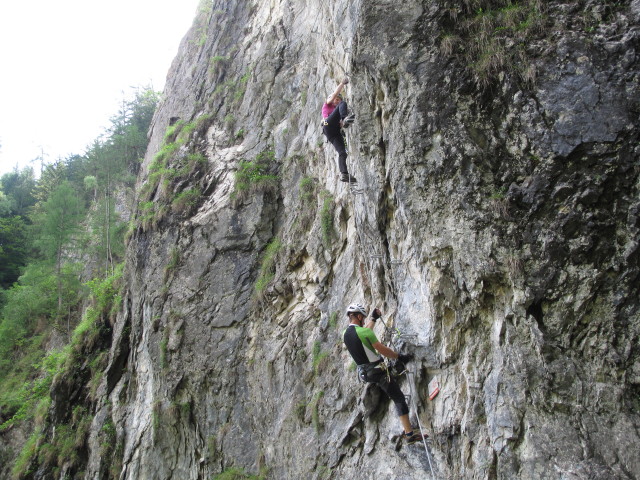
<point x="327" y="109"/>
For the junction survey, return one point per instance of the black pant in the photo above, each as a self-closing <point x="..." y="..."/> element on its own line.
<point x="335" y="135"/>
<point x="389" y="386"/>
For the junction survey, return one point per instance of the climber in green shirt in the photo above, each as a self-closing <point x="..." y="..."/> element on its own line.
<point x="367" y="351"/>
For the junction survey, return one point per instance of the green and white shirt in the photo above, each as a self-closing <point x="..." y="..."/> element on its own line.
<point x="359" y="342"/>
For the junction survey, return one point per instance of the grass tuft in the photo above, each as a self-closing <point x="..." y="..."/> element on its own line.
<point x="492" y="36"/>
<point x="326" y="218"/>
<point x="267" y="267"/>
<point x="255" y="176"/>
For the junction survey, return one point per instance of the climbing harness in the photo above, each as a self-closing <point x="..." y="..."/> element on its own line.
<point x="363" y="370"/>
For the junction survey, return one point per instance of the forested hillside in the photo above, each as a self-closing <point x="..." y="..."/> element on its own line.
<point x="62" y="237"/>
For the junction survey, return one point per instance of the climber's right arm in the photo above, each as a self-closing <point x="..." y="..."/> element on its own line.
<point x="337" y="91"/>
<point x="384" y="350"/>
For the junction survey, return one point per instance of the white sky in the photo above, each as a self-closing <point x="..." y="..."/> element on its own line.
<point x="66" y="65"/>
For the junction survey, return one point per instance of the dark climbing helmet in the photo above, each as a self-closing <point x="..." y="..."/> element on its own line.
<point x="356" y="308"/>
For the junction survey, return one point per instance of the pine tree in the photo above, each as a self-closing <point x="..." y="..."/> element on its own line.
<point x="59" y="223"/>
<point x="13" y="249"/>
<point x="19" y="187"/>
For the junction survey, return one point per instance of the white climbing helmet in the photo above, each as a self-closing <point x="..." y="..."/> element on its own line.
<point x="356" y="308"/>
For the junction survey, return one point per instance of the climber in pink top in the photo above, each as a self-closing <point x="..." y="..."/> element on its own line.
<point x="336" y="117"/>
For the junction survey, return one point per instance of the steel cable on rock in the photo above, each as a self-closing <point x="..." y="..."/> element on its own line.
<point x="389" y="330"/>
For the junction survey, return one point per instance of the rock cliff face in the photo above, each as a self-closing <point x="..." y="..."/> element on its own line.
<point x="495" y="222"/>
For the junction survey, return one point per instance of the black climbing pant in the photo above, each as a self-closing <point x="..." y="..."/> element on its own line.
<point x="379" y="376"/>
<point x="340" y="145"/>
<point x="335" y="135"/>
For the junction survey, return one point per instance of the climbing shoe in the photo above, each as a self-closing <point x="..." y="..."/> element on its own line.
<point x="345" y="177"/>
<point x="415" y="437"/>
<point x="348" y="120"/>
